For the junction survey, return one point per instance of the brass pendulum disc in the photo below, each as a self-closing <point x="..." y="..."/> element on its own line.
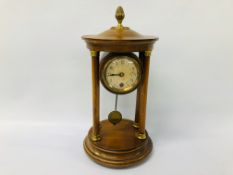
<point x="114" y="117"/>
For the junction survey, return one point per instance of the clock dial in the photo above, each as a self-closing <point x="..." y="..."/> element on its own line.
<point x="121" y="74"/>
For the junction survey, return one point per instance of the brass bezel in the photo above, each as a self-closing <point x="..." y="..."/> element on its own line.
<point x="111" y="57"/>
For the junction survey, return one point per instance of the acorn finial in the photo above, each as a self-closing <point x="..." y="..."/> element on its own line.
<point x="120" y="15"/>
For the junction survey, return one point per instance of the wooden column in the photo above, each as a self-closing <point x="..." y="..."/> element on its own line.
<point x="95" y="96"/>
<point x="142" y="96"/>
<point x="136" y="125"/>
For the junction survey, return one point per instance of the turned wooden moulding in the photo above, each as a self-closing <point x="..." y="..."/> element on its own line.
<point x="119" y="40"/>
<point x="126" y="143"/>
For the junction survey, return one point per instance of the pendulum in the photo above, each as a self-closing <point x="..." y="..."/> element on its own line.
<point x="115" y="116"/>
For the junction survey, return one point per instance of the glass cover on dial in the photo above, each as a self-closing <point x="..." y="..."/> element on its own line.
<point x="121" y="74"/>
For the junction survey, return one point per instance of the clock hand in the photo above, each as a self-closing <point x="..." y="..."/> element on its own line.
<point x="121" y="74"/>
<point x="113" y="74"/>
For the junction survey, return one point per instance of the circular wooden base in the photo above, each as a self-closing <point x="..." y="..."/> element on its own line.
<point x="119" y="147"/>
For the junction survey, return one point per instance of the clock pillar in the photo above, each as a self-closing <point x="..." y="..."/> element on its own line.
<point x="136" y="120"/>
<point x="95" y="96"/>
<point x="140" y="116"/>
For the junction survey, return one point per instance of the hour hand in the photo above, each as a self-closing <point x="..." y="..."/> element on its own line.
<point x="121" y="74"/>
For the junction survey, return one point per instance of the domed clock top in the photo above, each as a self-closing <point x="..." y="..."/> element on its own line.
<point x="120" y="35"/>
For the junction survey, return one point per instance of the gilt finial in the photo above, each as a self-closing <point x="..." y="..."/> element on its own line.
<point x="120" y="15"/>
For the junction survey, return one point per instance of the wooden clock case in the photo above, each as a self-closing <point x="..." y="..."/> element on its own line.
<point x="127" y="142"/>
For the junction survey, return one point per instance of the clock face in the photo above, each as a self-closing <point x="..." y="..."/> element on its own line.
<point x="121" y="74"/>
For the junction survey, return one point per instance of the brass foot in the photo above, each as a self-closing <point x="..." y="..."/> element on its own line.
<point x="141" y="136"/>
<point x="95" y="138"/>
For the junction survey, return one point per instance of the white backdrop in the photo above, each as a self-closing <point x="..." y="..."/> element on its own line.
<point x="45" y="85"/>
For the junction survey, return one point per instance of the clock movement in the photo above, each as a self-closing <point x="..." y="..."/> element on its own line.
<point x="118" y="142"/>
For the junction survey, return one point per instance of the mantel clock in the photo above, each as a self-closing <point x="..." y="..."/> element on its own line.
<point x="118" y="142"/>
